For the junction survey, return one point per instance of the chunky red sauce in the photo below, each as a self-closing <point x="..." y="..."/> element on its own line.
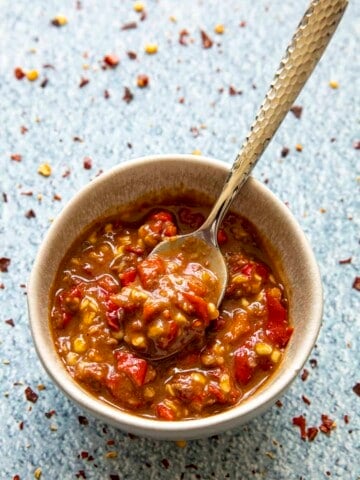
<point x="114" y="309"/>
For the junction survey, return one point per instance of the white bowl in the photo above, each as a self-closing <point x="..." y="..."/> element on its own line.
<point x="147" y="176"/>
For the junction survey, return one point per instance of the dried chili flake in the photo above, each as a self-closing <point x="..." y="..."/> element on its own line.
<point x="66" y="173"/>
<point x="111" y="60"/>
<point x="313" y="362"/>
<point x="345" y="261"/>
<point x="129" y="26"/>
<point x="57" y="197"/>
<point x="50" y="413"/>
<point x="114" y="477"/>
<point x="44" y="82"/>
<point x="206" y="40"/>
<point x="4" y="264"/>
<point x="142" y="81"/>
<point x="83" y="420"/>
<point x="300" y="422"/>
<point x="106" y="94"/>
<point x="233" y="91"/>
<point x="165" y="463"/>
<point x="84" y="454"/>
<point x="49" y="65"/>
<point x="183" y="37"/>
<point x="16" y="477"/>
<point x="279" y="403"/>
<point x="346" y="419"/>
<point x="195" y="131"/>
<point x="19" y="73"/>
<point x="356" y="145"/>
<point x="242" y="24"/>
<point x="10" y="322"/>
<point x="285" y="152"/>
<point x="5" y="198"/>
<point x="128" y="95"/>
<point x="80" y="474"/>
<point x="132" y="55"/>
<point x="311" y="433"/>
<point x="30" y="214"/>
<point x="27" y="194"/>
<point x="30" y="395"/>
<point x="87" y="163"/>
<point x="296" y="110"/>
<point x="356" y="389"/>
<point x="356" y="283"/>
<point x="83" y="81"/>
<point x="21" y="425"/>
<point x="23" y="129"/>
<point x="16" y="157"/>
<point x="327" y="424"/>
<point x="304" y="375"/>
<point x="305" y="400"/>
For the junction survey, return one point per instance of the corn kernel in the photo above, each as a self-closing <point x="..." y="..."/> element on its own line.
<point x="37" y="473"/>
<point x="196" y="152"/>
<point x="88" y="317"/>
<point x="181" y="443"/>
<point x="240" y="278"/>
<point x="92" y="239"/>
<point x="334" y="84"/>
<point x="155" y="330"/>
<point x="72" y="358"/>
<point x="169" y="389"/>
<point x="44" y="170"/>
<point x="138" y="341"/>
<point x="79" y="344"/>
<point x="263" y="348"/>
<point x="298" y="147"/>
<point x="139" y="6"/>
<point x="275" y="356"/>
<point x="225" y="383"/>
<point x="108" y="228"/>
<point x="149" y="392"/>
<point x="198" y="377"/>
<point x="59" y="20"/>
<point x="219" y="29"/>
<point x="244" y="302"/>
<point x="138" y="295"/>
<point x="32" y="75"/>
<point x="180" y="318"/>
<point x="213" y="311"/>
<point x="151" y="48"/>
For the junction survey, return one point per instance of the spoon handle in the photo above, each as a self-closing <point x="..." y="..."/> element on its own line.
<point x="302" y="55"/>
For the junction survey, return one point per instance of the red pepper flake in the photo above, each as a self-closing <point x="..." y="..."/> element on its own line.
<point x="356" y="283"/>
<point x="285" y="152"/>
<point x="183" y="37"/>
<point x="80" y="474"/>
<point x="21" y="425"/>
<point x="346" y="419"/>
<point x="279" y="403"/>
<point x="306" y="400"/>
<point x="311" y="433"/>
<point x="345" y="261"/>
<point x="30" y="395"/>
<point x="10" y="322"/>
<point x="304" y="375"/>
<point x="142" y="81"/>
<point x="132" y="55"/>
<point x="242" y="24"/>
<point x="233" y="91"/>
<point x="23" y="129"/>
<point x="16" y="157"/>
<point x="106" y="94"/>
<point x="4" y="264"/>
<point x="2" y="286"/>
<point x="27" y="194"/>
<point x="83" y="420"/>
<point x="313" y="362"/>
<point x="48" y="65"/>
<point x="84" y="454"/>
<point x="195" y="132"/>
<point x="128" y="95"/>
<point x="296" y="110"/>
<point x="19" y="73"/>
<point x="165" y="463"/>
<point x="129" y="26"/>
<point x="356" y="145"/>
<point x="57" y="197"/>
<point x="356" y="389"/>
<point x="114" y="477"/>
<point x="16" y="477"/>
<point x="77" y="139"/>
<point x="66" y="173"/>
<point x="300" y="422"/>
<point x="50" y="413"/>
<point x="327" y="424"/>
<point x="206" y="40"/>
<point x="5" y="198"/>
<point x="83" y="81"/>
<point x="111" y="60"/>
<point x="87" y="163"/>
<point x="44" y="82"/>
<point x="30" y="214"/>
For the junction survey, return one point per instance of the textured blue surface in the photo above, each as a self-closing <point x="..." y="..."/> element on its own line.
<point x="320" y="185"/>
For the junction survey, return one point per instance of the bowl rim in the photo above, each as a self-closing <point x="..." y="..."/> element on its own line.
<point x="180" y="429"/>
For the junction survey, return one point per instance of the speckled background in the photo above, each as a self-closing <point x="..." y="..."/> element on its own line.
<point x="186" y="107"/>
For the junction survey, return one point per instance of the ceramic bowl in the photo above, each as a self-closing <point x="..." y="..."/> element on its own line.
<point x="145" y="177"/>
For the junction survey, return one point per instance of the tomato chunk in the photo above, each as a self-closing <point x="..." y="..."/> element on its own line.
<point x="277" y="328"/>
<point x="200" y="306"/>
<point x="243" y="370"/>
<point x="164" y="412"/>
<point x="149" y="271"/>
<point x="133" y="366"/>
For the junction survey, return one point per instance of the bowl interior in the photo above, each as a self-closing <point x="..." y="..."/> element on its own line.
<point x="147" y="178"/>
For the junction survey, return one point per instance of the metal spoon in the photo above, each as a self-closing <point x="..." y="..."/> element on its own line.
<point x="302" y="55"/>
